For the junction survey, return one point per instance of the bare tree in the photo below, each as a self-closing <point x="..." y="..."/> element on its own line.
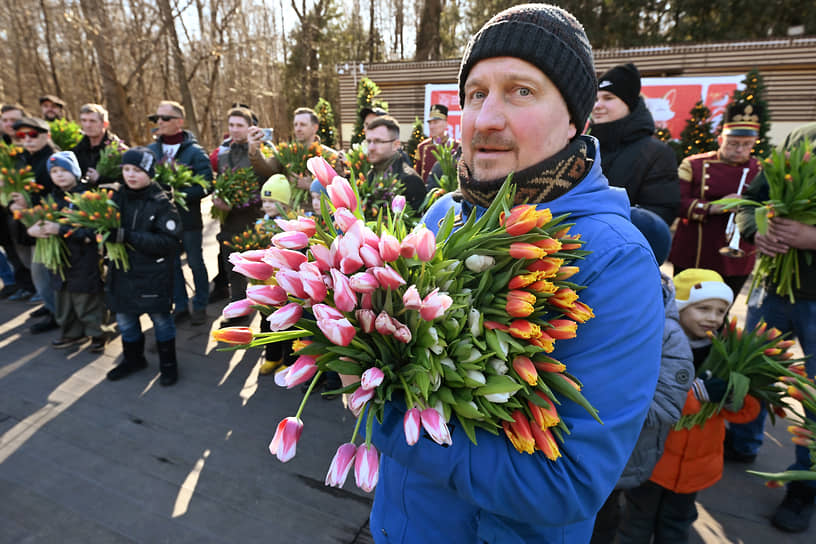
<point x="428" y="41"/>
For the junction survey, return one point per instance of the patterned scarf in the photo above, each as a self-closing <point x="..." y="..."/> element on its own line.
<point x="541" y="182"/>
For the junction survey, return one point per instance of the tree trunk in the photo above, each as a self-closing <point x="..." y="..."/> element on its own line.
<point x="181" y="71"/>
<point x="371" y="29"/>
<point x="50" y="49"/>
<point x="115" y="95"/>
<point x="428" y="41"/>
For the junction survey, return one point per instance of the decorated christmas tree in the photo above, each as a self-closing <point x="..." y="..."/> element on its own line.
<point x="754" y="94"/>
<point x="664" y="135"/>
<point x="367" y="92"/>
<point x="416" y="136"/>
<point x="327" y="131"/>
<point x="697" y="136"/>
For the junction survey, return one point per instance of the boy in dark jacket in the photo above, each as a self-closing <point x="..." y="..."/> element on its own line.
<point x="80" y="304"/>
<point x="151" y="231"/>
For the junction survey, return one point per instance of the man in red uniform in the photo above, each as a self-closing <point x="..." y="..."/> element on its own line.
<point x="438" y="128"/>
<point x="707" y="177"/>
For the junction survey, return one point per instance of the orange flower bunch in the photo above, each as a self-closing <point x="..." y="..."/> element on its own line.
<point x="13" y="178"/>
<point x="95" y="210"/>
<point x="50" y="251"/>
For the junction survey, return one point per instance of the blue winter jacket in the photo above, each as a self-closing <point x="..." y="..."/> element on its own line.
<point x="490" y="492"/>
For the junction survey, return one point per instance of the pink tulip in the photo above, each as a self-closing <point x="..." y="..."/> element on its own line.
<point x="371" y="256"/>
<point x="372" y="378"/>
<point x="366" y="320"/>
<point x="435" y="426"/>
<point x="284" y="444"/>
<point x="291" y="282"/>
<point x="411" y="425"/>
<point x="402" y="332"/>
<point x="321" y="169"/>
<point x="322" y="257"/>
<point x="252" y="255"/>
<point x="333" y="252"/>
<point x="348" y="250"/>
<point x="339" y="332"/>
<point x="369" y="238"/>
<point x="344" y="297"/>
<point x="398" y="204"/>
<point x="411" y="298"/>
<point x="271" y="295"/>
<point x="389" y="248"/>
<point x="366" y="301"/>
<point x="284" y="258"/>
<point x="324" y="311"/>
<point x="312" y="281"/>
<point x="303" y="369"/>
<point x="237" y="309"/>
<point x="366" y="467"/>
<point x="384" y="324"/>
<point x="434" y="305"/>
<point x="388" y="277"/>
<point x="344" y="219"/>
<point x="280" y="376"/>
<point x="253" y="269"/>
<point x="358" y="399"/>
<point x="340" y="465"/>
<point x="302" y="224"/>
<point x="290" y="240"/>
<point x="285" y="317"/>
<point x="425" y="244"/>
<point x="408" y="245"/>
<point x="351" y="264"/>
<point x="341" y="194"/>
<point x="364" y="282"/>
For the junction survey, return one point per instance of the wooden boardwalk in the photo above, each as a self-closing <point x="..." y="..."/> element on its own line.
<point x="84" y="460"/>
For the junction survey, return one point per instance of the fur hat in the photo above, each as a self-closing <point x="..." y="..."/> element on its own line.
<point x="277" y="188"/>
<point x="547" y="37"/>
<point x="67" y="160"/>
<point x="141" y="157"/>
<point x="624" y="82"/>
<point x="693" y="285"/>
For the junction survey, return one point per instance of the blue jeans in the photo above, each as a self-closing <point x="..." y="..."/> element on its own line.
<point x="192" y="240"/>
<point x="163" y="326"/>
<point x="6" y="272"/>
<point x="47" y="284"/>
<point x="799" y="319"/>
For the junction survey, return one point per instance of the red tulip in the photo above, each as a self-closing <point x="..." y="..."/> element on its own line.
<point x="568" y="246"/>
<point x="543" y="287"/>
<point x="233" y="335"/>
<point x="238" y="308"/>
<point x="303" y="369"/>
<point x="580" y="312"/>
<point x="411" y="423"/>
<point x="341" y="194"/>
<point x="523" y="218"/>
<point x="302" y="224"/>
<point x="285" y="317"/>
<point x="435" y="426"/>
<point x="566" y="272"/>
<point x="563" y="298"/>
<point x="321" y="169"/>
<point x="389" y="248"/>
<point x="550" y="365"/>
<point x="372" y="378"/>
<point x="366" y="320"/>
<point x="549" y="266"/>
<point x="284" y="444"/>
<point x="339" y="332"/>
<point x="340" y="465"/>
<point x="344" y="297"/>
<point x="521" y="328"/>
<point x="523" y="250"/>
<point x="366" y="467"/>
<point x="520" y="303"/>
<point x="271" y="295"/>
<point x="525" y="369"/>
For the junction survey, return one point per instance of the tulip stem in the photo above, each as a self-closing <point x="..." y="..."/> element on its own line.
<point x="308" y="392"/>
<point x="357" y="425"/>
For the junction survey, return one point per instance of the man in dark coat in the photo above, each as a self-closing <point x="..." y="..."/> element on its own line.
<point x="382" y="139"/>
<point x="94" y="121"/>
<point x="630" y="156"/>
<point x="174" y="144"/>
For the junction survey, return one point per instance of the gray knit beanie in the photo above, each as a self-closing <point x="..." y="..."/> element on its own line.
<point x="548" y="37"/>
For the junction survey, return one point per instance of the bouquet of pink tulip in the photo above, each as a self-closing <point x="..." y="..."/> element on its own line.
<point x="459" y="328"/>
<point x="751" y="362"/>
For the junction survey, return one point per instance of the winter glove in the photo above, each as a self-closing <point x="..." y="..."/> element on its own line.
<point x="707" y="388"/>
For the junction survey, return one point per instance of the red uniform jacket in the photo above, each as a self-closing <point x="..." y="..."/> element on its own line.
<point x="424" y="159"/>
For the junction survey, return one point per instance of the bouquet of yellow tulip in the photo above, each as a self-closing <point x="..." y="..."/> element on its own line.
<point x="14" y="179"/>
<point x="237" y="188"/>
<point x="96" y="210"/>
<point x="459" y="328"/>
<point x="50" y="251"/>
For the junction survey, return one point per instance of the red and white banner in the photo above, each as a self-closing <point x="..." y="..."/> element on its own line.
<point x="669" y="99"/>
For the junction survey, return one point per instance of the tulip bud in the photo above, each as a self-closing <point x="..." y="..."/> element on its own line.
<point x="358" y="399"/>
<point x="389" y="248"/>
<point x="366" y="467"/>
<point x="411" y="298"/>
<point x="411" y="424"/>
<point x="285" y="317"/>
<point x="525" y="369"/>
<point x="321" y="170"/>
<point x="372" y="378"/>
<point x="398" y="204"/>
<point x="271" y="295"/>
<point x="238" y="308"/>
<point x="233" y="335"/>
<point x="284" y="444"/>
<point x="340" y="465"/>
<point x="301" y="371"/>
<point x="435" y="426"/>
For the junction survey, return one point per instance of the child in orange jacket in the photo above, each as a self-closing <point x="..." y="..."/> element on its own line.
<point x="692" y="459"/>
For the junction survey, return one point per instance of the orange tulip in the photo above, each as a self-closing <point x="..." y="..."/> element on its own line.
<point x="548" y="266"/>
<point x="544" y="417"/>
<point x="543" y="286"/>
<point x="545" y="441"/>
<point x="563" y="298"/>
<point x="523" y="280"/>
<point x="570" y="382"/>
<point x="519" y="433"/>
<point x="522" y="250"/>
<point x="520" y="303"/>
<point x="544" y="341"/>
<point x="562" y="329"/>
<point x="523" y="218"/>
<point x="233" y="335"/>
<point x="566" y="272"/>
<point x="548" y="364"/>
<point x="525" y="369"/>
<point x="521" y="328"/>
<point x="568" y="246"/>
<point x="580" y="312"/>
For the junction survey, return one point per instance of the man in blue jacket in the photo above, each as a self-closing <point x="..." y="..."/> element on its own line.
<point x="174" y="144"/>
<point x="527" y="85"/>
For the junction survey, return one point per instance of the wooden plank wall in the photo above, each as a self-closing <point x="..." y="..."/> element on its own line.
<point x="787" y="65"/>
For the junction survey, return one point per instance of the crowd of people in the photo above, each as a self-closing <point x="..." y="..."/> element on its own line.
<point x="577" y="144"/>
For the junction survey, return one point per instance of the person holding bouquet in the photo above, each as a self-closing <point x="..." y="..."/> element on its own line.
<point x="80" y="303"/>
<point x="527" y="85"/>
<point x="692" y="460"/>
<point x="151" y="231"/>
<point x="798" y="317"/>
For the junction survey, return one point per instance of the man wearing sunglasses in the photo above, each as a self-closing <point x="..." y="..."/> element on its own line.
<point x="34" y="136"/>
<point x="174" y="144"/>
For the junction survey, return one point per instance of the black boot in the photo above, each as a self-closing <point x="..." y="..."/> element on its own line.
<point x="167" y="362"/>
<point x="134" y="360"/>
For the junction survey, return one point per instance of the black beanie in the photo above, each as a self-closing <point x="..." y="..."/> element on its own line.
<point x="548" y="37"/>
<point x="624" y="82"/>
<point x="141" y="157"/>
